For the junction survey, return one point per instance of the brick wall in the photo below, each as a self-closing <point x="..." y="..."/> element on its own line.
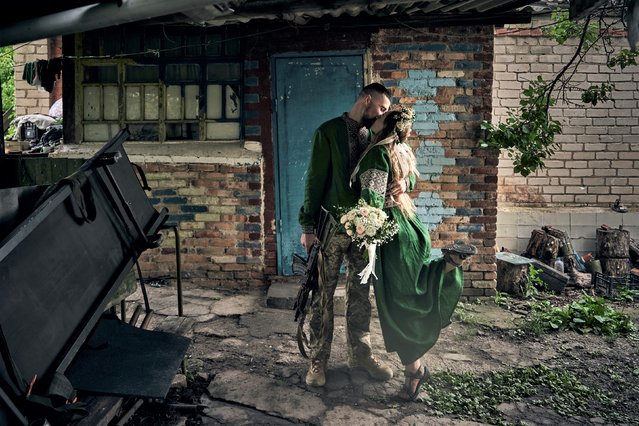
<point x="597" y="160"/>
<point x="30" y="99"/>
<point x="225" y="209"/>
<point x="217" y="210"/>
<point x="446" y="74"/>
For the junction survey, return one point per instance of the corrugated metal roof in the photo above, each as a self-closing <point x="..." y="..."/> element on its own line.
<point x="47" y="18"/>
<point x="301" y="12"/>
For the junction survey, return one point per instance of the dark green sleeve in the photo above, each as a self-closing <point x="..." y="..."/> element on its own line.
<point x="410" y="184"/>
<point x="373" y="175"/>
<point x="317" y="180"/>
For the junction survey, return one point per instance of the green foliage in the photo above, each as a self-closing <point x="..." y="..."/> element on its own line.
<point x="623" y="59"/>
<point x="533" y="283"/>
<point x="626" y="294"/>
<point x="588" y="314"/>
<point x="527" y="135"/>
<point x="7" y="78"/>
<point x="563" y="29"/>
<point x="462" y="314"/>
<point x="500" y="299"/>
<point x="594" y="94"/>
<point x="472" y="397"/>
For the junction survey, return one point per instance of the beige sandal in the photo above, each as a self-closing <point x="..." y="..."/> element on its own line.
<point x="406" y="393"/>
<point x="463" y="251"/>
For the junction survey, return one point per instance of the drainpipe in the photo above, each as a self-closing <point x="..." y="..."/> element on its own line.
<point x="101" y="15"/>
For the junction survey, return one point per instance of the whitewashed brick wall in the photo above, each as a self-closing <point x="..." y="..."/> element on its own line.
<point x="598" y="157"/>
<point x="29" y="99"/>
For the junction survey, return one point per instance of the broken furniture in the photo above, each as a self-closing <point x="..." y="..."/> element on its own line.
<point x="64" y="251"/>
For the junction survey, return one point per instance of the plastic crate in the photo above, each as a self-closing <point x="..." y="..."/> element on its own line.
<point x="609" y="286"/>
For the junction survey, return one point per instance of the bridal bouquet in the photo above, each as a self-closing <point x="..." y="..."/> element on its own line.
<point x="369" y="227"/>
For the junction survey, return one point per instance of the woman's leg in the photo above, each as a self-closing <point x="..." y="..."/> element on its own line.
<point x="415" y="375"/>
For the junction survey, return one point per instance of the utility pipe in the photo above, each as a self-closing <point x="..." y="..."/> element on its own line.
<point x="100" y="15"/>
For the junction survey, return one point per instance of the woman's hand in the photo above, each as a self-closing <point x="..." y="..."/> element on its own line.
<point x="398" y="187"/>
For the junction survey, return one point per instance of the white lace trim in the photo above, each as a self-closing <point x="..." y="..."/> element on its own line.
<point x="374" y="180"/>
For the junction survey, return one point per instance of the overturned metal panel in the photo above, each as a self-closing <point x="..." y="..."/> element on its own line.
<point x="62" y="263"/>
<point x="120" y="359"/>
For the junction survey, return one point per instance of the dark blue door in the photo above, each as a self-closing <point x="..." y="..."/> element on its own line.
<point x="308" y="90"/>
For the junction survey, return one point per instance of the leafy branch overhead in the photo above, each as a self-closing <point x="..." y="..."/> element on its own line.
<point x="528" y="133"/>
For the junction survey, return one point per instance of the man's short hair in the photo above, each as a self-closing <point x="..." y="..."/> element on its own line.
<point x="375" y="88"/>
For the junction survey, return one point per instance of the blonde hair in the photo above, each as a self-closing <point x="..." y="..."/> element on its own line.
<point x="397" y="125"/>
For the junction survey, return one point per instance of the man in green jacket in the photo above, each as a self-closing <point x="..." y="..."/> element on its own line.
<point x="336" y="147"/>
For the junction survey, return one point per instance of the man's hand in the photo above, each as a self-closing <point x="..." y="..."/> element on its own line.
<point x="307" y="241"/>
<point x="398" y="187"/>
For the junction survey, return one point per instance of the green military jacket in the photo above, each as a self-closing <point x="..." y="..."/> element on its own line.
<point x="335" y="149"/>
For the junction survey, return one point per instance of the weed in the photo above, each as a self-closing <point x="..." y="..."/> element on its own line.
<point x="501" y="299"/>
<point x="533" y="283"/>
<point x="477" y="397"/>
<point x="625" y="294"/>
<point x="462" y="314"/>
<point x="588" y="314"/>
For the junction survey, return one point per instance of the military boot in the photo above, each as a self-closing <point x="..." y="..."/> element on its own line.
<point x="316" y="375"/>
<point x="375" y="368"/>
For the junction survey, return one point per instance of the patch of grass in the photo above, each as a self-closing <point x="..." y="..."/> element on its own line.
<point x="588" y="314"/>
<point x="463" y="314"/>
<point x="477" y="397"/>
<point x="626" y="294"/>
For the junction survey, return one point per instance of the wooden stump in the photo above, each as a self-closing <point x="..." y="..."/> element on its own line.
<point x="634" y="251"/>
<point x="535" y="243"/>
<point x="577" y="278"/>
<point x="615" y="267"/>
<point x="543" y="246"/>
<point x="565" y="245"/>
<point x="512" y="273"/>
<point x="613" y="250"/>
<point x="613" y="243"/>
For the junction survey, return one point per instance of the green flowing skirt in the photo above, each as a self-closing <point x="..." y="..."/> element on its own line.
<point x="415" y="299"/>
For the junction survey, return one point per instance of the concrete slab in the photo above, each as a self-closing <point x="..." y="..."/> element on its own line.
<point x="237" y="305"/>
<point x="343" y="415"/>
<point x="270" y="321"/>
<point x="282" y="295"/>
<point x="218" y="412"/>
<point x="267" y="395"/>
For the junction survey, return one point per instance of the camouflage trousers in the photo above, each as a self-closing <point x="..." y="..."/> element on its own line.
<point x="358" y="305"/>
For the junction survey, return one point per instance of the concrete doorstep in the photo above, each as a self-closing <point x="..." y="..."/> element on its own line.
<point x="283" y="293"/>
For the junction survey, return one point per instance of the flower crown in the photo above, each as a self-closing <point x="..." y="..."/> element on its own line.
<point x="406" y="117"/>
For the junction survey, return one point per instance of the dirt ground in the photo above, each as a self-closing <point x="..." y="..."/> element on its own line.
<point x="485" y="339"/>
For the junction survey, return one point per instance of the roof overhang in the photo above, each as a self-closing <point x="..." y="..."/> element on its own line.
<point x="75" y="16"/>
<point x="86" y="17"/>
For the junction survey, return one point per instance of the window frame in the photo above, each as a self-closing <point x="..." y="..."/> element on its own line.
<point x="101" y="53"/>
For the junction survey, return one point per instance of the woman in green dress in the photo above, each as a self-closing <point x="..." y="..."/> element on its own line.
<point x="416" y="295"/>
